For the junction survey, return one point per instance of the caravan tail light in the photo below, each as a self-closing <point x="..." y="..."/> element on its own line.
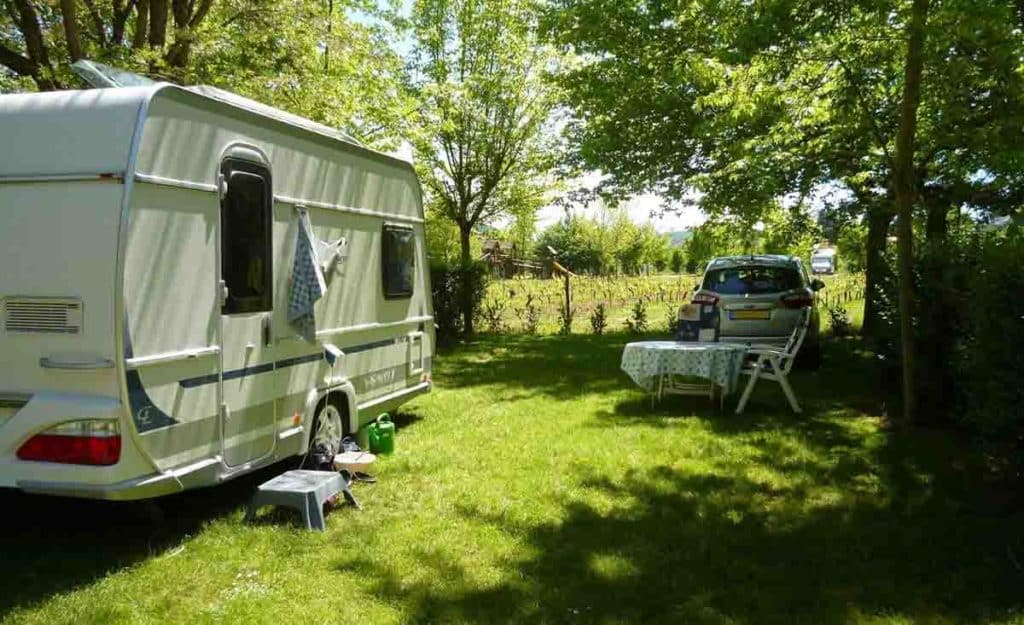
<point x="92" y="442"/>
<point x="704" y="298"/>
<point x="797" y="300"/>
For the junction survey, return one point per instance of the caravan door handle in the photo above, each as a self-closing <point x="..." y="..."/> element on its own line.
<point x="265" y="328"/>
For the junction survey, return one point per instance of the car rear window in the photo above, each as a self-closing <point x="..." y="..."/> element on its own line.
<point x="751" y="280"/>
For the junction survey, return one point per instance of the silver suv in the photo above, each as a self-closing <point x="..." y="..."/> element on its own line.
<point x="759" y="299"/>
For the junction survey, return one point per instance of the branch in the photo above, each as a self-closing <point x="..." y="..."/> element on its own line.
<point x="180" y="9"/>
<point x="28" y="22"/>
<point x="200" y="13"/>
<point x="121" y="13"/>
<point x="16" y="63"/>
<point x="239" y="15"/>
<point x="35" y="45"/>
<point x="868" y="113"/>
<point x="97" y="21"/>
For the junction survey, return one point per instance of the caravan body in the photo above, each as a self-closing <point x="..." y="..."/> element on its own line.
<point x="148" y="239"/>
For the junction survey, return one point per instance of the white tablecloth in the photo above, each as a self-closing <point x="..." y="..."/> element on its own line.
<point x="720" y="363"/>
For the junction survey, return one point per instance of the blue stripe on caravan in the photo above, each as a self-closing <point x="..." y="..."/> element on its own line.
<point x="280" y="364"/>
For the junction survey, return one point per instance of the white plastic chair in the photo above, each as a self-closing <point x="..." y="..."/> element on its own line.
<point x="774" y="364"/>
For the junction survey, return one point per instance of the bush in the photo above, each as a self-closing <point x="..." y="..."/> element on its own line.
<point x="839" y="320"/>
<point x="529" y="315"/>
<point x="990" y="368"/>
<point x="637" y="322"/>
<point x="968" y="333"/>
<point x="677" y="261"/>
<point x="599" y="319"/>
<point x="446" y="284"/>
<point x="672" y="315"/>
<point x="492" y="314"/>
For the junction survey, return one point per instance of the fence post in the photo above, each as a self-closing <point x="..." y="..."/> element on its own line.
<point x="568" y="293"/>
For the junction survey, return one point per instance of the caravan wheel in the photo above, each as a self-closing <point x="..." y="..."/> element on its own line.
<point x="330" y="425"/>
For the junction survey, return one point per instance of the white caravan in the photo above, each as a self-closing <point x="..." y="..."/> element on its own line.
<point x="148" y="263"/>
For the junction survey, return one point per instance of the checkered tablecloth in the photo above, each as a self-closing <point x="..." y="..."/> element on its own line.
<point x="720" y="363"/>
<point x="307" y="281"/>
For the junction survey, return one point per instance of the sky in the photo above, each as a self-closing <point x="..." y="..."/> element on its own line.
<point x="641" y="209"/>
<point x="644" y="208"/>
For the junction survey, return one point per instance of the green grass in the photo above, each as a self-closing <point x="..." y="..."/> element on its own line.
<point x="536" y="485"/>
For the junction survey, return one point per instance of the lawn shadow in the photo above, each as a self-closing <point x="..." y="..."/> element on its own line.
<point x="844" y="385"/>
<point x="879" y="537"/>
<point x="821" y="519"/>
<point x="560" y="367"/>
<point x="563" y="367"/>
<point x="52" y="545"/>
<point x="404" y="419"/>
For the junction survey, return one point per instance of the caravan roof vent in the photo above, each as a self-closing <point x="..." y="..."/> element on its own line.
<point x="46" y="315"/>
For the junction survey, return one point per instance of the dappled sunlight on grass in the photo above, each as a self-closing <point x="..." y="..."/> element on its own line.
<point x="537" y="485"/>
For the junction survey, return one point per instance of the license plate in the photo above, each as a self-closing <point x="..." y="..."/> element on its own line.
<point x="750" y="314"/>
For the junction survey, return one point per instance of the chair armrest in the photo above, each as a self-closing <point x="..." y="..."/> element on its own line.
<point x="764" y="346"/>
<point x="766" y="351"/>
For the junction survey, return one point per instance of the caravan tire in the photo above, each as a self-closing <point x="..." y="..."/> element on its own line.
<point x="330" y="424"/>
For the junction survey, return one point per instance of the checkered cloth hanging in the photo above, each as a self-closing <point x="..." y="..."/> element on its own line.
<point x="307" y="284"/>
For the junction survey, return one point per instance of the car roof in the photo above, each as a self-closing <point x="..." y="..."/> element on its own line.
<point x="773" y="260"/>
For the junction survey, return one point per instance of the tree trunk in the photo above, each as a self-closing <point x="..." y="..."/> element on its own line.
<point x="466" y="267"/>
<point x="35" y="46"/>
<point x="121" y="13"/>
<point x="69" y="17"/>
<point x="177" y="54"/>
<point x="157" y="23"/>
<point x="879" y="219"/>
<point x="141" y="25"/>
<point x="938" y="221"/>
<point x="906" y="192"/>
<point x="936" y="333"/>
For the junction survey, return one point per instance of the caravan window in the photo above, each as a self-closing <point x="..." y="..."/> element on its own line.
<point x="398" y="256"/>
<point x="245" y="237"/>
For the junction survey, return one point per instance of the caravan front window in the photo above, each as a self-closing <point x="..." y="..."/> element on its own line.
<point x="245" y="237"/>
<point x="398" y="256"/>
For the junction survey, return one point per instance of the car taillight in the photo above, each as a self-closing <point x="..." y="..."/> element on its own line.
<point x="704" y="298"/>
<point x="92" y="441"/>
<point x="797" y="300"/>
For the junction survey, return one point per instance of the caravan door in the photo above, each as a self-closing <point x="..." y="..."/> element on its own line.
<point x="246" y="280"/>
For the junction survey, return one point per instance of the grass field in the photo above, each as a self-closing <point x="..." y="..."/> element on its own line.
<point x="536" y="485"/>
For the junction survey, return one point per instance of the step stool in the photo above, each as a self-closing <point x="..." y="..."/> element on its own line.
<point x="303" y="490"/>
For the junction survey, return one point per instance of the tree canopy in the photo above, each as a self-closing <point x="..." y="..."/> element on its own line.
<point x="309" y="57"/>
<point x="477" y="72"/>
<point x="604" y="243"/>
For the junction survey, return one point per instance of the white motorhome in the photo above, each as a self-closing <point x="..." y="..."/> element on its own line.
<point x="148" y="260"/>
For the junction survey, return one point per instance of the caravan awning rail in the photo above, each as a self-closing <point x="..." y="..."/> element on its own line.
<point x="365" y="327"/>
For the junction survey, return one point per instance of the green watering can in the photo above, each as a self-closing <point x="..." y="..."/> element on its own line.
<point x="382" y="435"/>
